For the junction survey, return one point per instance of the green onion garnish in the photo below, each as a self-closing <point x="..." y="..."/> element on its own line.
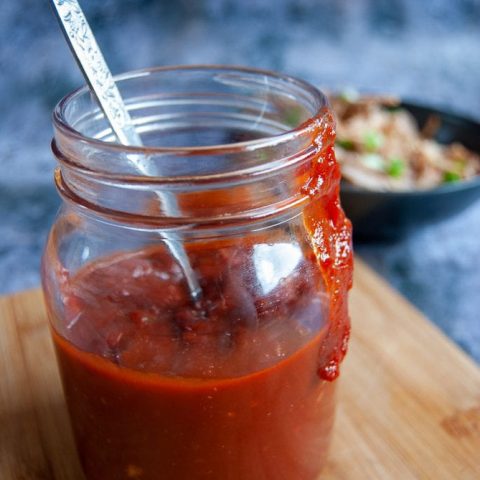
<point x="345" y="144"/>
<point x="349" y="95"/>
<point x="292" y="116"/>
<point x="396" y="167"/>
<point x="373" y="161"/>
<point x="372" y="141"/>
<point x="450" y="177"/>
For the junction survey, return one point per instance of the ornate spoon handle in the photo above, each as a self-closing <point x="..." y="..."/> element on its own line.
<point x="90" y="59"/>
<point x="92" y="63"/>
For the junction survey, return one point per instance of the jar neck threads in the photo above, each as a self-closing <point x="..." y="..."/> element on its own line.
<point x="236" y="145"/>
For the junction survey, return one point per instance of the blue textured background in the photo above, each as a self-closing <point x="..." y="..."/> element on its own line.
<point x="423" y="50"/>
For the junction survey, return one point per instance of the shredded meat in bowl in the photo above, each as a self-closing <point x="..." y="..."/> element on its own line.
<point x="380" y="147"/>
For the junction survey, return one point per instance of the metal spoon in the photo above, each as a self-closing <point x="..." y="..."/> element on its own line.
<point x="90" y="59"/>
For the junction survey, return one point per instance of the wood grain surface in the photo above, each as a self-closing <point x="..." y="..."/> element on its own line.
<point x="408" y="404"/>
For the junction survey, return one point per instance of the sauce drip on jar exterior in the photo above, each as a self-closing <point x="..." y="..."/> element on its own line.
<point x="331" y="234"/>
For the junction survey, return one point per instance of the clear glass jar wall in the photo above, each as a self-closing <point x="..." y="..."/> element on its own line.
<point x="238" y="168"/>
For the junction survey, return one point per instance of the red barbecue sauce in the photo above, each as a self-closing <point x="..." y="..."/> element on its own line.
<point x="235" y="387"/>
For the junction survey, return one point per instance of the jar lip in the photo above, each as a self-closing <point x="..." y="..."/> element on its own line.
<point x="60" y="122"/>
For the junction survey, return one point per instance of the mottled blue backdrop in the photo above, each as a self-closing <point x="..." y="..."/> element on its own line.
<point x="424" y="50"/>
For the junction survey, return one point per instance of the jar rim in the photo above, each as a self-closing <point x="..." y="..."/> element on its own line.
<point x="61" y="123"/>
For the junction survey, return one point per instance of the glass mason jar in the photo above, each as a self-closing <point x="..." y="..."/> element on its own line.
<point x="234" y="381"/>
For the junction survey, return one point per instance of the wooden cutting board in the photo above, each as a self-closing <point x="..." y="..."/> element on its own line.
<point x="409" y="400"/>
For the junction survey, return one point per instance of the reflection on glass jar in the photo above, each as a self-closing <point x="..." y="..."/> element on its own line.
<point x="237" y="383"/>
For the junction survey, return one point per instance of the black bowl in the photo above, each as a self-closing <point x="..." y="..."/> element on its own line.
<point x="393" y="215"/>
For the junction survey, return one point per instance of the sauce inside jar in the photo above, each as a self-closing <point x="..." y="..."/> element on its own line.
<point x="225" y="388"/>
